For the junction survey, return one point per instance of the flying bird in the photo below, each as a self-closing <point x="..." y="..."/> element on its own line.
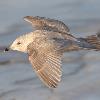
<point x="46" y="45"/>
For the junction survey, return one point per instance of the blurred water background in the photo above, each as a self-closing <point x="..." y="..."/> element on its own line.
<point x="81" y="70"/>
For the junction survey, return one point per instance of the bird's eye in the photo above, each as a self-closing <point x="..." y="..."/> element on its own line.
<point x="18" y="43"/>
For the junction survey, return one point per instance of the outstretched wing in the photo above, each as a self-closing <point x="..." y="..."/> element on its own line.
<point x="46" y="61"/>
<point x="42" y="23"/>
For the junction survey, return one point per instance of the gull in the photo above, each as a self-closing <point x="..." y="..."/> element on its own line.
<point x="46" y="45"/>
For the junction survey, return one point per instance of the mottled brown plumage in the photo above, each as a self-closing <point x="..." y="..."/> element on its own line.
<point x="46" y="45"/>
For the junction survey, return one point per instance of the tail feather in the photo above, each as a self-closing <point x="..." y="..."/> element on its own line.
<point x="94" y="40"/>
<point x="91" y="42"/>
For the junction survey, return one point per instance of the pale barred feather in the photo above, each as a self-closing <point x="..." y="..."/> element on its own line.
<point x="55" y="67"/>
<point x="52" y="70"/>
<point x="46" y="62"/>
<point x="55" y="62"/>
<point x="51" y="75"/>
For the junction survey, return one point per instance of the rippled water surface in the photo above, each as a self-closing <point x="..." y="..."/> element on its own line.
<point x="81" y="70"/>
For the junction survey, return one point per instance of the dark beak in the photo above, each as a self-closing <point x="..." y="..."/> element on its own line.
<point x="6" y="49"/>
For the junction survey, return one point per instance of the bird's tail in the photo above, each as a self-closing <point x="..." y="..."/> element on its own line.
<point x="90" y="42"/>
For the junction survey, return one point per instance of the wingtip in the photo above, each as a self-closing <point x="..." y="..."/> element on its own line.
<point x="27" y="18"/>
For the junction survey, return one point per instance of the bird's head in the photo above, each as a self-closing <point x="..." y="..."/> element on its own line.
<point x="21" y="43"/>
